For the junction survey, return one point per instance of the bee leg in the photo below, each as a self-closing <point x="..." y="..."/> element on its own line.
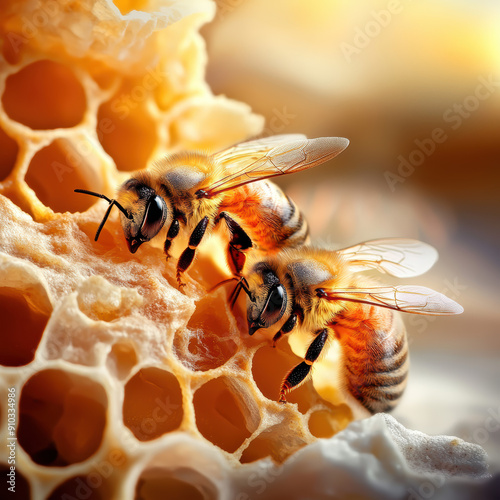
<point x="187" y="256"/>
<point x="173" y="231"/>
<point x="288" y="326"/>
<point x="297" y="375"/>
<point x="239" y="241"/>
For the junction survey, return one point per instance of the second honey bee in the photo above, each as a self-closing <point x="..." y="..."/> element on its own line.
<point x="193" y="192"/>
<point x="323" y="292"/>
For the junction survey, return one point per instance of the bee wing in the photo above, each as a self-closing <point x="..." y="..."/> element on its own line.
<point x="407" y="298"/>
<point x="255" y="147"/>
<point x="403" y="258"/>
<point x="272" y="156"/>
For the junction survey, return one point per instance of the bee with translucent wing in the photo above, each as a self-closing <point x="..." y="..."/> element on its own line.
<point x="193" y="192"/>
<point x="322" y="292"/>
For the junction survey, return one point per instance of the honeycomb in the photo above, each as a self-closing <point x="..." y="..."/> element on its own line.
<point x="115" y="384"/>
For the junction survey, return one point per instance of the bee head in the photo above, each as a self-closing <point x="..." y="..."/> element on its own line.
<point x="143" y="212"/>
<point x="267" y="298"/>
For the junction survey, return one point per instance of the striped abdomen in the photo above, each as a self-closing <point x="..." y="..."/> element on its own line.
<point x="375" y="355"/>
<point x="270" y="218"/>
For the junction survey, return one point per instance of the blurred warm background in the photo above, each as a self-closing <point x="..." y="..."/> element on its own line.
<point x="415" y="86"/>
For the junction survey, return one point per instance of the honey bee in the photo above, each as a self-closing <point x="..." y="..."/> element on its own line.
<point x="193" y="192"/>
<point x="322" y="292"/>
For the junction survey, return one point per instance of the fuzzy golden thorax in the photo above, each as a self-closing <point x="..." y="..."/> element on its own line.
<point x="181" y="176"/>
<point x="301" y="272"/>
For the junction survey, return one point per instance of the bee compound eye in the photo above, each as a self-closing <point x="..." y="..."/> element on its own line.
<point x="156" y="212"/>
<point x="275" y="305"/>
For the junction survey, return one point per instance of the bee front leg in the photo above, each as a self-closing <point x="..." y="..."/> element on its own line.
<point x="173" y="231"/>
<point x="187" y="256"/>
<point x="289" y="324"/>
<point x="296" y="376"/>
<point x="239" y="242"/>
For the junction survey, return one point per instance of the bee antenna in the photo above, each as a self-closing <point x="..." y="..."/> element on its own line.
<point x="241" y="285"/>
<point x="106" y="215"/>
<point x="235" y="294"/>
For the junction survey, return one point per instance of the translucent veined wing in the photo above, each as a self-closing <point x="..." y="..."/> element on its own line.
<point x="406" y="298"/>
<point x="255" y="147"/>
<point x="270" y="157"/>
<point x="403" y="258"/>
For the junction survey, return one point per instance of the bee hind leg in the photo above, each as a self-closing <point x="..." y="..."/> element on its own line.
<point x="297" y="375"/>
<point x="239" y="242"/>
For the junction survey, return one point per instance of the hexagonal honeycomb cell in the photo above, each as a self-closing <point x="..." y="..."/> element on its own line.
<point x="211" y="339"/>
<point x="54" y="171"/>
<point x="22" y="328"/>
<point x="125" y="387"/>
<point x="221" y="414"/>
<point x="152" y="403"/>
<point x="62" y="417"/>
<point x="126" y="119"/>
<point x="44" y="95"/>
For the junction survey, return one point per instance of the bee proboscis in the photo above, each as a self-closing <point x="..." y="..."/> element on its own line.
<point x="324" y="293"/>
<point x="193" y="192"/>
